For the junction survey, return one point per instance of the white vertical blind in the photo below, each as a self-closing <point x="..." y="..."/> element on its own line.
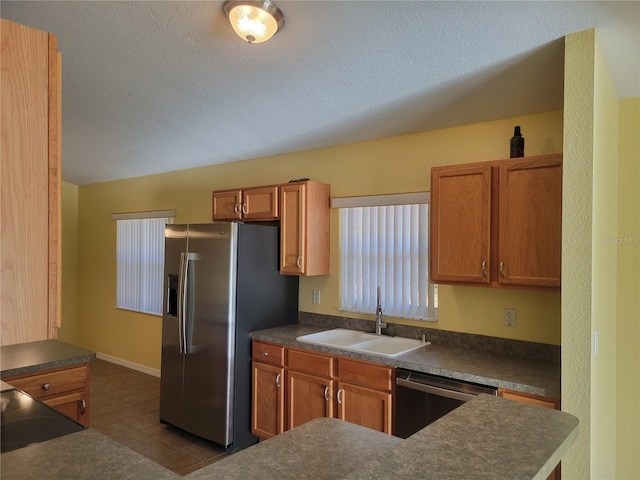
<point x="140" y="264"/>
<point x="386" y="247"/>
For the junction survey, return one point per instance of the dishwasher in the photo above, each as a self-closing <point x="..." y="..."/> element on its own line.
<point x="422" y="399"/>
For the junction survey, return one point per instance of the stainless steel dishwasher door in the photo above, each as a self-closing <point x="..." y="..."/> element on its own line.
<point x="421" y="399"/>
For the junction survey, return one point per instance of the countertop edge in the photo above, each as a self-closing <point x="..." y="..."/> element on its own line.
<point x="41" y="356"/>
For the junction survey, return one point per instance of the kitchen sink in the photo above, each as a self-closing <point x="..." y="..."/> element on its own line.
<point x="364" y="342"/>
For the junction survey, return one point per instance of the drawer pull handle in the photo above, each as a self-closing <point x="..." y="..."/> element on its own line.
<point x="265" y="353"/>
<point x="46" y="386"/>
<point x="236" y="209"/>
<point x="484" y="269"/>
<point x="299" y="262"/>
<point x="502" y="269"/>
<point x="326" y="393"/>
<point x="244" y="208"/>
<point x="83" y="406"/>
<point x="278" y="380"/>
<point x="339" y="395"/>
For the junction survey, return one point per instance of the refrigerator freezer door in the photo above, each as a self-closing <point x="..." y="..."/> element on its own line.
<point x="210" y="332"/>
<point x="172" y="365"/>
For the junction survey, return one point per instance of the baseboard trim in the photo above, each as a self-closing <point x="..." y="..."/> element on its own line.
<point x="126" y="363"/>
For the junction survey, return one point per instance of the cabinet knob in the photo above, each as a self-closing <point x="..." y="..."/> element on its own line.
<point x="484" y="269"/>
<point x="46" y="386"/>
<point x="264" y="354"/>
<point x="502" y="269"/>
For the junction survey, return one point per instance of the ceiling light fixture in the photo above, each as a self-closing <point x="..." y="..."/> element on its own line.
<point x="255" y="22"/>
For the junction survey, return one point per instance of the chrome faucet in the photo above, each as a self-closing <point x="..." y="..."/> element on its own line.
<point x="380" y="324"/>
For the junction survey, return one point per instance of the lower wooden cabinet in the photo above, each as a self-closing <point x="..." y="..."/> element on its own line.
<point x="310" y="385"/>
<point x="267" y="403"/>
<point x="365" y="406"/>
<point x="267" y="414"/>
<point x="365" y="394"/>
<point x="539" y="402"/>
<point x="65" y="390"/>
<point x="309" y="397"/>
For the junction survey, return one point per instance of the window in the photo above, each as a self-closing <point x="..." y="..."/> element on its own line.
<point x="140" y="260"/>
<point x="387" y="246"/>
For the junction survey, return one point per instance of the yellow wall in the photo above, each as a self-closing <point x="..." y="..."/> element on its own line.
<point x="577" y="171"/>
<point x="68" y="331"/>
<point x="628" y="300"/>
<point x="604" y="270"/>
<point x="394" y="165"/>
<point x="601" y="208"/>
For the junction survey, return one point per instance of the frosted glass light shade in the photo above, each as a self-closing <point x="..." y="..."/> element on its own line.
<point x="255" y="22"/>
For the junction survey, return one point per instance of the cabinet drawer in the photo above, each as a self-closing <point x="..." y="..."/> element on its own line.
<point x="268" y="353"/>
<point x="364" y="373"/>
<point x="313" y="363"/>
<point x="52" y="383"/>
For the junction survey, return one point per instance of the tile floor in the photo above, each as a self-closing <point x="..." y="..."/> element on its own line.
<point x="124" y="406"/>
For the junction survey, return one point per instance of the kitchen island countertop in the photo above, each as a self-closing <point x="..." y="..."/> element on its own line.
<point x="32" y="357"/>
<point x="486" y="438"/>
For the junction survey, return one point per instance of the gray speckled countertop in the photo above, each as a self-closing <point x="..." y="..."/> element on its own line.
<point x="484" y="439"/>
<point x="324" y="448"/>
<point x="33" y="357"/>
<point x="513" y="373"/>
<point x="87" y="455"/>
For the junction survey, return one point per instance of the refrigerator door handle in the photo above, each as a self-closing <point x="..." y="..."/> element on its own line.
<point x="182" y="304"/>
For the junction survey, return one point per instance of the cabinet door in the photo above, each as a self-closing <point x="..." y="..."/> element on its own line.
<point x="292" y="229"/>
<point x="267" y="416"/>
<point x="227" y="205"/>
<point x="460" y="224"/>
<point x="309" y="397"/>
<point x="530" y="205"/>
<point x="30" y="184"/>
<point x="74" y="405"/>
<point x="365" y="406"/>
<point x="260" y="204"/>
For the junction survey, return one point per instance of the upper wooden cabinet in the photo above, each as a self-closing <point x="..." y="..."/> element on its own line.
<point x="30" y="195"/>
<point x="460" y="224"/>
<point x="497" y="223"/>
<point x="248" y="204"/>
<point x="303" y="209"/>
<point x="304" y="224"/>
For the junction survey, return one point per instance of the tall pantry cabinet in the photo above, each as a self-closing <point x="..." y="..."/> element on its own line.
<point x="30" y="167"/>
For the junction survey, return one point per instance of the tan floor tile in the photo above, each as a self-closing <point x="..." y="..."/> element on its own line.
<point x="125" y="406"/>
<point x="204" y="450"/>
<point x="160" y="430"/>
<point x="178" y="461"/>
<point x="143" y="421"/>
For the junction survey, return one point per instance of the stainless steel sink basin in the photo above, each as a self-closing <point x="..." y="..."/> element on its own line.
<point x="363" y="342"/>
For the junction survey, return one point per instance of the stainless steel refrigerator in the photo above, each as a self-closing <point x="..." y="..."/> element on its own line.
<point x="222" y="281"/>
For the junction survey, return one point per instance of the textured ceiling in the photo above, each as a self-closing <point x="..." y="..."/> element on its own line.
<point x="156" y="86"/>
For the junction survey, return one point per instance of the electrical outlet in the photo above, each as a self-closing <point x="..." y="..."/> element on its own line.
<point x="509" y="317"/>
<point x="316" y="296"/>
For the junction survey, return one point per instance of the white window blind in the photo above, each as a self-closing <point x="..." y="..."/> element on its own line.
<point x="386" y="247"/>
<point x="140" y="262"/>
